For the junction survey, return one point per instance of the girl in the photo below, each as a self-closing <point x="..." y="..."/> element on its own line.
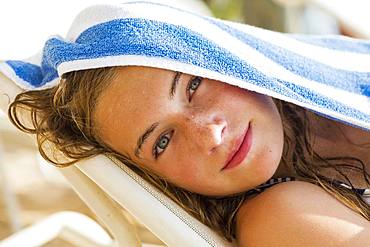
<point x="214" y="148"/>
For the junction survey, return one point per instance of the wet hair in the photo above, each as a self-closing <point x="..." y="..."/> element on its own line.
<point x="61" y="118"/>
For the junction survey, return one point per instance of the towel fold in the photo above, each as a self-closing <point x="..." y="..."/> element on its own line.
<point x="329" y="75"/>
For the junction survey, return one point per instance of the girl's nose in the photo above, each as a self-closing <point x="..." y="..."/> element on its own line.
<point x="207" y="132"/>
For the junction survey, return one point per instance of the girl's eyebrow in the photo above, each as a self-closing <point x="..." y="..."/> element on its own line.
<point x="141" y="140"/>
<point x="144" y="137"/>
<point x="174" y="85"/>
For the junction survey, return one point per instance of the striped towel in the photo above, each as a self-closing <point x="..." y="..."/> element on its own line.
<point x="329" y="75"/>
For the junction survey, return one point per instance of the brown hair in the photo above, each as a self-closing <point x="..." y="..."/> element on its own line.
<point x="62" y="116"/>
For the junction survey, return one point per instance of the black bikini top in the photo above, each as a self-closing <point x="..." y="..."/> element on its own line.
<point x="274" y="181"/>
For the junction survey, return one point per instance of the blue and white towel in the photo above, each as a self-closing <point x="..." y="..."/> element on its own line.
<point x="329" y="75"/>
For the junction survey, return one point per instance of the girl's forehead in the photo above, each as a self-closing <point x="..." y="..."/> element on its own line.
<point x="136" y="97"/>
<point x="132" y="91"/>
<point x="140" y="82"/>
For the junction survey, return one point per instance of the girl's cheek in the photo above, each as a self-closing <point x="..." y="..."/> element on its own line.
<point x="185" y="173"/>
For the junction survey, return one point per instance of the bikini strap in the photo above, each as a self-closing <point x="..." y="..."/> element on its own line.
<point x="361" y="191"/>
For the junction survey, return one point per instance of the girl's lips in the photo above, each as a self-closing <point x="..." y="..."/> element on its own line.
<point x="242" y="148"/>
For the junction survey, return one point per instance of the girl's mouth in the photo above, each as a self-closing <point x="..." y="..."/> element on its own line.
<point x="243" y="145"/>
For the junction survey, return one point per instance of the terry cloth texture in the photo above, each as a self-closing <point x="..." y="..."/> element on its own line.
<point x="329" y="75"/>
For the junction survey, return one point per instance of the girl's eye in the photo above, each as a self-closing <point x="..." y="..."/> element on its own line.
<point x="193" y="86"/>
<point x="161" y="144"/>
<point x="164" y="140"/>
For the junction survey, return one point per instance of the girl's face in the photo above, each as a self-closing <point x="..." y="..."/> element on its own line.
<point x="185" y="128"/>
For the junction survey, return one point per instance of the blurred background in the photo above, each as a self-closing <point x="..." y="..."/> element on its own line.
<point x="347" y="17"/>
<point x="30" y="189"/>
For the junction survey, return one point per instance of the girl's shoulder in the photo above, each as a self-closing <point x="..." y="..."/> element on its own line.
<point x="298" y="213"/>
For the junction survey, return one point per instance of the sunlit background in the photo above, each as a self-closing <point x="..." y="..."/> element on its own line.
<point x="29" y="189"/>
